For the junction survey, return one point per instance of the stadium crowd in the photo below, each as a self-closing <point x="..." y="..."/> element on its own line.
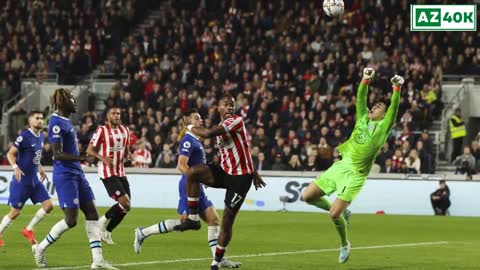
<point x="67" y="38"/>
<point x="294" y="74"/>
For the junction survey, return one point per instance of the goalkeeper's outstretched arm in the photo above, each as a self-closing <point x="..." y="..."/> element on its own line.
<point x="391" y="115"/>
<point x="362" y="91"/>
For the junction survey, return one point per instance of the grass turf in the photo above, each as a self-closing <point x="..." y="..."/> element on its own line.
<point x="275" y="241"/>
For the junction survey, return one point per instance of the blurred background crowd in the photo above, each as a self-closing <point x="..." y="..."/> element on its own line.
<point x="293" y="72"/>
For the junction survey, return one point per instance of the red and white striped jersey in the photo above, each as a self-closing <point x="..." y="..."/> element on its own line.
<point x="111" y="142"/>
<point x="142" y="158"/>
<point x="234" y="149"/>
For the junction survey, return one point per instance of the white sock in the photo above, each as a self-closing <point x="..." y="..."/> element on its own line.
<point x="93" y="234"/>
<point x="55" y="233"/>
<point x="5" y="222"/>
<point x="102" y="222"/>
<point x="194" y="217"/>
<point x="162" y="227"/>
<point x="41" y="213"/>
<point x="213" y="232"/>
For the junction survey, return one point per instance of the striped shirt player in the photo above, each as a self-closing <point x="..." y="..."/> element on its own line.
<point x="235" y="173"/>
<point x="191" y="153"/>
<point x="110" y="144"/>
<point x="234" y="149"/>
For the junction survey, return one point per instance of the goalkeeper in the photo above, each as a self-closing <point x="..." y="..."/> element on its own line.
<point x="348" y="175"/>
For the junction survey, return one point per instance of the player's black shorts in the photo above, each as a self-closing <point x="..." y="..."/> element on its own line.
<point x="237" y="186"/>
<point x="117" y="187"/>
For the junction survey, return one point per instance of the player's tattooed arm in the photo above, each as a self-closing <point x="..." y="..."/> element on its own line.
<point x="58" y="154"/>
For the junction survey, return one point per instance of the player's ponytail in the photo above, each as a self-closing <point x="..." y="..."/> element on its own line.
<point x="181" y="134"/>
<point x="60" y="98"/>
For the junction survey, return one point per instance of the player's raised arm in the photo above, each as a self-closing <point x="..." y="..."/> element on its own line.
<point x="362" y="91"/>
<point x="391" y="115"/>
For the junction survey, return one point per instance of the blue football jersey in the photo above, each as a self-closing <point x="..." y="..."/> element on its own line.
<point x="29" y="154"/>
<point x="191" y="147"/>
<point x="61" y="130"/>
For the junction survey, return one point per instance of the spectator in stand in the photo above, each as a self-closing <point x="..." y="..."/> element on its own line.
<point x="311" y="165"/>
<point x="440" y="199"/>
<point x="413" y="162"/>
<point x="279" y="164"/>
<point x="142" y="158"/>
<point x="384" y="154"/>
<point x="465" y="163"/>
<point x="457" y="133"/>
<point x="475" y="150"/>
<point x="387" y="167"/>
<point x="425" y="158"/>
<point x="405" y="148"/>
<point x="261" y="163"/>
<point x="403" y="168"/>
<point x="167" y="162"/>
<point x="397" y="160"/>
<point x="167" y="151"/>
<point x="295" y="163"/>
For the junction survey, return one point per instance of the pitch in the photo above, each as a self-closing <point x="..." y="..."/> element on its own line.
<point x="264" y="240"/>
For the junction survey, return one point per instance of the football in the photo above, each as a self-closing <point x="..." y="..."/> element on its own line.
<point x="333" y="8"/>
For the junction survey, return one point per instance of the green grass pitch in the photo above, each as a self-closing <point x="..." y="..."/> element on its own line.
<point x="263" y="240"/>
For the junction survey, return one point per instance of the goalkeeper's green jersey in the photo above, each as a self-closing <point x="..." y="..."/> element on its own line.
<point x="368" y="136"/>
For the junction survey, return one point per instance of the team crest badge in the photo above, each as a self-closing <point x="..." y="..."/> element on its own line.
<point x="371" y="127"/>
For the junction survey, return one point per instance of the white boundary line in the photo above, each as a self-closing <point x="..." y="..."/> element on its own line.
<point x="255" y="255"/>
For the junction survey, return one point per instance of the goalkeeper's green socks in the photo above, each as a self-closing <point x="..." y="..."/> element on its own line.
<point x="322" y="203"/>
<point x="341" y="226"/>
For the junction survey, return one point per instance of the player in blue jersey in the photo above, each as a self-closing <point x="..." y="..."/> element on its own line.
<point x="72" y="188"/>
<point x="191" y="153"/>
<point x="24" y="157"/>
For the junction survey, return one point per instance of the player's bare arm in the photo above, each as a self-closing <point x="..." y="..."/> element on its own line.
<point x="257" y="180"/>
<point x="182" y="164"/>
<point x="12" y="159"/>
<point x="58" y="154"/>
<point x="93" y="152"/>
<point x="41" y="171"/>
<point x="207" y="132"/>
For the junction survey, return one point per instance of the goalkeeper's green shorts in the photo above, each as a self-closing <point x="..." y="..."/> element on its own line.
<point x="342" y="178"/>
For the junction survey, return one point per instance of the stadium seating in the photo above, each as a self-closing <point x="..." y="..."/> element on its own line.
<point x="293" y="72"/>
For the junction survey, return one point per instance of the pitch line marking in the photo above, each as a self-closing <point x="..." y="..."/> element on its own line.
<point x="255" y="255"/>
